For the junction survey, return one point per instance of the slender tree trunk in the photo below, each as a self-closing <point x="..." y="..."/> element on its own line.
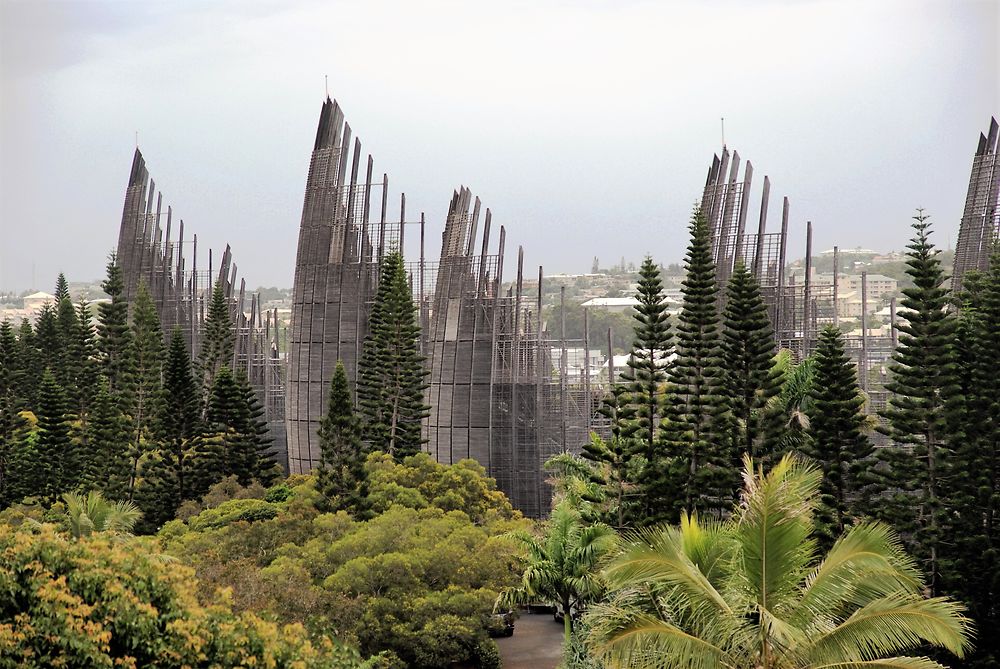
<point x="567" y="621"/>
<point x="136" y="452"/>
<point x="932" y="500"/>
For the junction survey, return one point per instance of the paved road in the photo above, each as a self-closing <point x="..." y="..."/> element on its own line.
<point x="536" y="644"/>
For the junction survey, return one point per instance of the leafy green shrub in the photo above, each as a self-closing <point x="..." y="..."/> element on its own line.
<point x="222" y="491"/>
<point x="277" y="493"/>
<point x="249" y="510"/>
<point x="487" y="655"/>
<point x="420" y="482"/>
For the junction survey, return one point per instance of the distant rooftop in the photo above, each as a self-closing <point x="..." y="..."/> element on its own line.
<point x="611" y="302"/>
<point x="853" y="252"/>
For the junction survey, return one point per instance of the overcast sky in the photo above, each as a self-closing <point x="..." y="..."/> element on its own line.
<point x="587" y="127"/>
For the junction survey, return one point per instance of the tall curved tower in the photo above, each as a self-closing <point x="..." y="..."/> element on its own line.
<point x="980" y="226"/>
<point x="336" y="268"/>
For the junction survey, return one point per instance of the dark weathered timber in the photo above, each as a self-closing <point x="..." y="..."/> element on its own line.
<point x="147" y="254"/>
<point x="979" y="229"/>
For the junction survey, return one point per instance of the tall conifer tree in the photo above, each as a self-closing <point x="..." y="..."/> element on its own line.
<point x="646" y="377"/>
<point x="340" y="477"/>
<point x="921" y="413"/>
<point x="170" y="473"/>
<point x="114" y="335"/>
<point x="391" y="377"/>
<point x="84" y="370"/>
<point x="28" y="367"/>
<point x="57" y="466"/>
<point x="146" y="364"/>
<point x="49" y="341"/>
<point x="613" y="459"/>
<point x="218" y="341"/>
<point x="751" y="377"/>
<point x="704" y="471"/>
<point x="66" y="314"/>
<point x="62" y="288"/>
<point x="66" y="322"/>
<point x="105" y="463"/>
<point x="11" y="423"/>
<point x="971" y="561"/>
<point x="839" y="444"/>
<point x="236" y="438"/>
<point x="259" y="457"/>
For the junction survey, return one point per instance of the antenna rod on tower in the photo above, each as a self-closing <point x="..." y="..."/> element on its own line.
<point x="722" y="119"/>
<point x="326" y="84"/>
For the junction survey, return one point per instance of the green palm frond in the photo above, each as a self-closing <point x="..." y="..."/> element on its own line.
<point x="892" y="624"/>
<point x="657" y="556"/>
<point x="91" y="513"/>
<point x="627" y="639"/>
<point x="886" y="663"/>
<point x="709" y="545"/>
<point x="774" y="528"/>
<point x="866" y="563"/>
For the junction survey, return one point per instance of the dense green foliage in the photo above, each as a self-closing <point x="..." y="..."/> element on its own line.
<point x="972" y="555"/>
<point x="97" y="602"/>
<point x="118" y="412"/>
<point x="923" y="413"/>
<point x="419" y="579"/>
<point x="613" y="467"/>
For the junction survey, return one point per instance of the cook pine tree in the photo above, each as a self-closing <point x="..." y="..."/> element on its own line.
<point x="646" y="377"/>
<point x="114" y="336"/>
<point x="391" y="377"/>
<point x="171" y="472"/>
<point x="839" y="444"/>
<point x="697" y="415"/>
<point x="922" y="413"/>
<point x="340" y="477"/>
<point x="971" y="560"/>
<point x="218" y="341"/>
<point x="613" y="467"/>
<point x="146" y="353"/>
<point x="751" y="376"/>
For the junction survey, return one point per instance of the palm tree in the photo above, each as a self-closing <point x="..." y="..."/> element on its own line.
<point x="793" y="402"/>
<point x="92" y="513"/>
<point x="562" y="566"/>
<point x="752" y="593"/>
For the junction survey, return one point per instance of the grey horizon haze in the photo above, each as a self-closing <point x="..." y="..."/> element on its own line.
<point x="586" y="127"/>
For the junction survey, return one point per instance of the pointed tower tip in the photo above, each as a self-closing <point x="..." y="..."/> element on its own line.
<point x="138" y="173"/>
<point x="325" y="131"/>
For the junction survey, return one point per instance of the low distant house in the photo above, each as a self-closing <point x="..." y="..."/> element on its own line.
<point x="37" y="301"/>
<point x="613" y="304"/>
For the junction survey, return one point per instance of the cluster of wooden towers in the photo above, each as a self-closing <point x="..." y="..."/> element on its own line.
<point x="499" y="389"/>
